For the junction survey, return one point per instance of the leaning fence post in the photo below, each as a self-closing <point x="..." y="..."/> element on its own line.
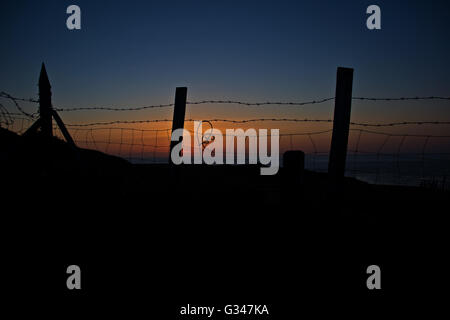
<point x="341" y="124"/>
<point x="45" y="104"/>
<point x="178" y="115"/>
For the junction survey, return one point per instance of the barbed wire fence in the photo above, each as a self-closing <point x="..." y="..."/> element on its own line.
<point x="384" y="160"/>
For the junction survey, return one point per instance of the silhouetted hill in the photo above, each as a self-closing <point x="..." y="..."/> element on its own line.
<point x="30" y="163"/>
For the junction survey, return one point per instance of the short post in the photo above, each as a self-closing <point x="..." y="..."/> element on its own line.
<point x="341" y="124"/>
<point x="178" y="115"/>
<point x="45" y="104"/>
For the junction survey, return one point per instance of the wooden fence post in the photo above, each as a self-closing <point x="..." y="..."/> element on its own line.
<point x="45" y="104"/>
<point x="178" y="115"/>
<point x="46" y="112"/>
<point x="341" y="124"/>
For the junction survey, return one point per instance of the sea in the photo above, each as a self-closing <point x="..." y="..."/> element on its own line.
<point x="405" y="169"/>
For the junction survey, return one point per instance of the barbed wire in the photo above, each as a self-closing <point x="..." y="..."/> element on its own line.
<point x="130" y="129"/>
<point x="363" y="124"/>
<point x="6" y="117"/>
<point x="113" y="108"/>
<point x="195" y="103"/>
<point x="244" y="103"/>
<point x="236" y="102"/>
<point x="401" y="98"/>
<point x="402" y="123"/>
<point x="91" y="124"/>
<point x="243" y="121"/>
<point x="4" y="94"/>
<point x="15" y="101"/>
<point x="13" y="115"/>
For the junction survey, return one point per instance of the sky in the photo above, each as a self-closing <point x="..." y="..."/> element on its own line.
<point x="133" y="53"/>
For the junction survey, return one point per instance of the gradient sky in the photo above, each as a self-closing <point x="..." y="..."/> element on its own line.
<point x="132" y="53"/>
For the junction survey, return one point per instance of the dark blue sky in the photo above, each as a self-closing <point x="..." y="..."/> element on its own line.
<point x="136" y="52"/>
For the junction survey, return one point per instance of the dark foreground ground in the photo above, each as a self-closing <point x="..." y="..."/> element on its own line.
<point x="150" y="239"/>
